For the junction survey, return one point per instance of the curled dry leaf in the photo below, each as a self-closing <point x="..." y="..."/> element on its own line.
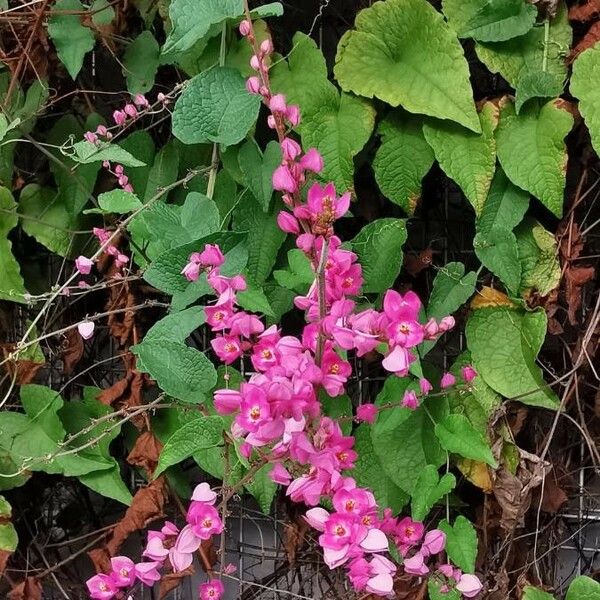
<point x="585" y="11"/>
<point x="145" y="452"/>
<point x="122" y="324"/>
<point x="148" y="505"/>
<point x="587" y="41"/>
<point x="415" y="262"/>
<point x="72" y="350"/>
<point x="170" y="581"/>
<point x="30" y="589"/>
<point x="293" y="538"/>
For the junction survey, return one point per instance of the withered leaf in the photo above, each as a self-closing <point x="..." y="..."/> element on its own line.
<point x="30" y="589"/>
<point x="72" y="350"/>
<point x="145" y="452"/>
<point x="585" y="11"/>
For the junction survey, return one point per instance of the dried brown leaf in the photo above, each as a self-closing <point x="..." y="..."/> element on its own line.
<point x="585" y="11"/>
<point x="170" y="581"/>
<point x="72" y="350"/>
<point x="30" y="589"/>
<point x="587" y="41"/>
<point x="145" y="452"/>
<point x="415" y="262"/>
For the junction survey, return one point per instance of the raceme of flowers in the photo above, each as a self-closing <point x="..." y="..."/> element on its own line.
<point x="277" y="413"/>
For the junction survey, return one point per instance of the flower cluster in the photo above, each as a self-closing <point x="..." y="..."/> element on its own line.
<point x="167" y="544"/>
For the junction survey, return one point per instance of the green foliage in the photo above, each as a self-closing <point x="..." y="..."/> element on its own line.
<point x="140" y="63"/>
<point x="12" y="286"/>
<point x="584" y="86"/>
<point x="461" y="543"/>
<point x="583" y="588"/>
<point x="404" y="53"/>
<point x="379" y="249"/>
<point x="71" y="38"/>
<point x="337" y="124"/>
<point x="430" y="489"/>
<point x="181" y="371"/>
<point x="299" y="275"/>
<point x="215" y="107"/>
<point x="8" y="534"/>
<point x="466" y="157"/>
<point x="403" y="159"/>
<point x="176" y="327"/>
<point x="118" y="202"/>
<point x="531" y="593"/>
<point x="195" y="435"/>
<point x="456" y="434"/>
<point x="498" y="251"/>
<point x="257" y="169"/>
<point x="532" y="151"/>
<point x="504" y="344"/>
<point x="86" y="153"/>
<point x="263" y="488"/>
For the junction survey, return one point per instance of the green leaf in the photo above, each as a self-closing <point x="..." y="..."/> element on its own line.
<point x="457" y="435"/>
<point x="379" y="249"/>
<point x="526" y="52"/>
<point x="403" y="159"/>
<point x="180" y="371"/>
<point x="461" y="543"/>
<point x="429" y="490"/>
<point x="108" y="483"/>
<point x="299" y="276"/>
<point x="498" y="251"/>
<point x="435" y="593"/>
<point x="12" y="286"/>
<point x="163" y="172"/>
<point x="531" y="593"/>
<point x="176" y="327"/>
<point x="536" y="84"/>
<point x="584" y="86"/>
<point x="253" y="299"/>
<point x="258" y="169"/>
<point x="403" y="52"/>
<point x="119" y="202"/>
<point x="192" y="20"/>
<point x="140" y="63"/>
<point x="141" y="145"/>
<point x="538" y="253"/>
<point x="466" y="157"/>
<point x="215" y="107"/>
<point x="369" y="472"/>
<point x="505" y="206"/>
<point x="103" y="12"/>
<point x="338" y="125"/>
<point x="583" y="588"/>
<point x="71" y="39"/>
<point x="420" y="447"/>
<point x="500" y="20"/>
<point x="340" y="406"/>
<point x="46" y="218"/>
<point x="263" y="488"/>
<point x="264" y="237"/>
<point x="197" y="434"/>
<point x="504" y="344"/>
<point x="85" y="153"/>
<point x="8" y="537"/>
<point x="532" y="151"/>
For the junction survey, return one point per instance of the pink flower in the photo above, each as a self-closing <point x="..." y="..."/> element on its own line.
<point x="253" y="85"/>
<point x="254" y="409"/>
<point x="469" y="585"/>
<point x="409" y="532"/>
<point x="86" y="329"/>
<point x="204" y="493"/>
<point x="245" y="324"/>
<point x="227" y="348"/>
<point x="212" y="590"/>
<point x="335" y="373"/>
<point x="102" y="131"/>
<point x="397" y="361"/>
<point x="181" y="554"/>
<point x="147" y="572"/>
<point x="227" y="401"/>
<point x="102" y="587"/>
<point x="130" y="110"/>
<point x="141" y="101"/>
<point x="415" y="565"/>
<point x="434" y="542"/>
<point x="123" y="571"/>
<point x="245" y="27"/>
<point x="84" y="265"/>
<point x="279" y="474"/>
<point x="367" y="413"/>
<point x="410" y="400"/>
<point x="191" y="271"/>
<point x="204" y="520"/>
<point x="448" y="380"/>
<point x="212" y="256"/>
<point x="293" y="114"/>
<point x="290" y="149"/>
<point x="401" y="308"/>
<point x="283" y="180"/>
<point x="155" y="549"/>
<point x="90" y="137"/>
<point x="119" y="117"/>
<point x="323" y="207"/>
<point x="446" y="324"/>
<point x="312" y="161"/>
<point x="277" y="104"/>
<point x="425" y="386"/>
<point x="468" y="373"/>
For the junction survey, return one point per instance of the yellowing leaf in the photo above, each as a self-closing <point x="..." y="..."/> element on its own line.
<point x="488" y="296"/>
<point x="477" y="473"/>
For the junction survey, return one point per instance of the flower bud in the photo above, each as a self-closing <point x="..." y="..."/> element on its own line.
<point x="290" y="149"/>
<point x="312" y="161"/>
<point x="266" y="46"/>
<point x="245" y="27"/>
<point x="253" y="85"/>
<point x="288" y="223"/>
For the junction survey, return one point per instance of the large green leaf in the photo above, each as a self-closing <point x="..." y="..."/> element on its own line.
<point x="258" y="169"/>
<point x="531" y="593"/>
<point x="140" y="63"/>
<point x="215" y="107"/>
<point x="119" y="202"/>
<point x="498" y="251"/>
<point x="369" y="472"/>
<point x="536" y="84"/>
<point x="461" y="543"/>
<point x="176" y="327"/>
<point x="299" y="276"/>
<point x="12" y="286"/>
<point x="163" y="171"/>
<point x="264" y="238"/>
<point x="263" y="488"/>
<point x="72" y="40"/>
<point x="504" y="344"/>
<point x="585" y="86"/>
<point x="457" y="435"/>
<point x="430" y="488"/>
<point x="379" y="249"/>
<point x="467" y="158"/>
<point x="86" y="153"/>
<point x="338" y="125"/>
<point x="505" y="205"/>
<point x="404" y="53"/>
<point x="495" y="20"/>
<point x="583" y="588"/>
<point x="403" y="159"/>
<point x="532" y="150"/>
<point x="197" y="434"/>
<point x="180" y="371"/>
<point x="538" y="253"/>
<point x="419" y="448"/>
<point x="529" y="52"/>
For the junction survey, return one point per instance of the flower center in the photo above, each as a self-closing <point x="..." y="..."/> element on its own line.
<point x="410" y="531"/>
<point x="207" y="523"/>
<point x="342" y="456"/>
<point x="219" y="316"/>
<point x="124" y="572"/>
<point x="229" y="347"/>
<point x="334" y="369"/>
<point x="267" y="354"/>
<point x="366" y="520"/>
<point x="340" y="531"/>
<point x="103" y="587"/>
<point x="348" y="282"/>
<point x="350" y="504"/>
<point x="255" y="413"/>
<point x="403" y="328"/>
